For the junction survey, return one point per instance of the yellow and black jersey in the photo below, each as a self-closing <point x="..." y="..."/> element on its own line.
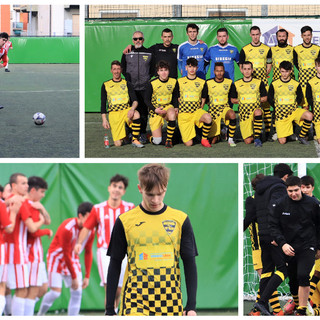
<point x="259" y="56"/>
<point x="313" y="97"/>
<point x="119" y="95"/>
<point x="280" y="54"/>
<point x="160" y="94"/>
<point x="191" y="92"/>
<point x="285" y="97"/>
<point x="248" y="93"/>
<point x="154" y="243"/>
<point x="218" y="96"/>
<point x="304" y="61"/>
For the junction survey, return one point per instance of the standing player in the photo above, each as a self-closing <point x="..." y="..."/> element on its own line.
<point x="3" y="52"/>
<point x="304" y="56"/>
<point x="249" y="93"/>
<point x="162" y="101"/>
<point x="64" y="265"/>
<point x="285" y="94"/>
<point x="8" y="45"/>
<point x="260" y="56"/>
<point x="103" y="216"/>
<point x="218" y="96"/>
<point x="122" y="105"/>
<point x="193" y="49"/>
<point x="313" y="98"/>
<point x="37" y="269"/>
<point x="282" y="52"/>
<point x="192" y="97"/>
<point x="223" y="52"/>
<point x="17" y="258"/>
<point x="154" y="236"/>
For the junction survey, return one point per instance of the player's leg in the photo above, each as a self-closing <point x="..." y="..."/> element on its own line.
<point x="257" y="127"/>
<point x="6" y="68"/>
<point x="75" y="295"/>
<point x="8" y="306"/>
<point x="231" y="116"/>
<point x="186" y="126"/>
<point x="171" y="125"/>
<point x="306" y="117"/>
<point x="136" y="125"/>
<point x="143" y="111"/>
<point x="156" y="123"/>
<point x="2" y="297"/>
<point x="206" y="119"/>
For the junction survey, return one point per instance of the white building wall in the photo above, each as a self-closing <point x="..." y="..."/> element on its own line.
<point x="43" y="20"/>
<point x="57" y="21"/>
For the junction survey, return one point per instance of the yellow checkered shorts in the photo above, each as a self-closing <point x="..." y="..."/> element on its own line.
<point x="117" y="120"/>
<point x="157" y="121"/>
<point x="246" y="126"/>
<point x="216" y="123"/>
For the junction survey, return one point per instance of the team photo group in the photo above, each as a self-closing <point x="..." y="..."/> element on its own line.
<point x="200" y="106"/>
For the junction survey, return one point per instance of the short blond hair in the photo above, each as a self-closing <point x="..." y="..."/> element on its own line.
<point x="153" y="175"/>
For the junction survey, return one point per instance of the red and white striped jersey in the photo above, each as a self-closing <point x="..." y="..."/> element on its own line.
<point x="16" y="242"/>
<point x="8" y="45"/>
<point x="104" y="217"/>
<point x="3" y="56"/>
<point x="4" y="222"/>
<point x="61" y="257"/>
<point x="35" y="250"/>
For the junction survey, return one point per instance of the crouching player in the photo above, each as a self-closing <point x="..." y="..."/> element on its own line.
<point x="3" y="51"/>
<point x="285" y="94"/>
<point x="218" y="102"/>
<point x="161" y="97"/>
<point x="313" y="98"/>
<point x="64" y="264"/>
<point x="120" y="94"/>
<point x="192" y="98"/>
<point x="249" y="93"/>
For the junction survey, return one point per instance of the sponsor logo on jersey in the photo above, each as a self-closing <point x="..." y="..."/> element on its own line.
<point x="140" y="223"/>
<point x="286" y="213"/>
<point x="143" y="256"/>
<point x="169" y="226"/>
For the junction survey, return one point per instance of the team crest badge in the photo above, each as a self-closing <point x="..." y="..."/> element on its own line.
<point x="174" y="50"/>
<point x="290" y="88"/>
<point x="231" y="51"/>
<point x="197" y="84"/>
<point x="225" y="87"/>
<point x="169" y="87"/>
<point x="169" y="225"/>
<point x="201" y="49"/>
<point x="145" y="58"/>
<point x="261" y="51"/>
<point x="313" y="52"/>
<point x="288" y="51"/>
<point x="252" y="86"/>
<point x="123" y="86"/>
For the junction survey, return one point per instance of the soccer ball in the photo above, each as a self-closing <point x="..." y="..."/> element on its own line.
<point x="39" y="118"/>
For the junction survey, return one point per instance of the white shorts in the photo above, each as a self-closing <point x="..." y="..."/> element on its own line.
<point x="55" y="280"/>
<point x="103" y="266"/>
<point x="18" y="276"/>
<point x="37" y="274"/>
<point x="3" y="273"/>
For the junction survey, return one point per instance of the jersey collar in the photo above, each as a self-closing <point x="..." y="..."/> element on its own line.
<point x="153" y="213"/>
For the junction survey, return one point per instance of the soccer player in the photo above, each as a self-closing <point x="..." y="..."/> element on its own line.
<point x="192" y="98"/>
<point x="18" y="273"/>
<point x="162" y="101"/>
<point x="122" y="105"/>
<point x="37" y="269"/>
<point x="249" y="93"/>
<point x="64" y="265"/>
<point x="193" y="49"/>
<point x="260" y="56"/>
<point x="137" y="69"/>
<point x="218" y="96"/>
<point x="3" y="52"/>
<point x="282" y="52"/>
<point x="103" y="216"/>
<point x="294" y="224"/>
<point x="154" y="236"/>
<point x="313" y="98"/>
<point x="8" y="45"/>
<point x="223" y="52"/>
<point x="285" y="94"/>
<point x="304" y="56"/>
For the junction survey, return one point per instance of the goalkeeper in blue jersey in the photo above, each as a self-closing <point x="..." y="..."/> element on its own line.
<point x="193" y="48"/>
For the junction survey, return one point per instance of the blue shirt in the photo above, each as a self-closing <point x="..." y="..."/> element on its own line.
<point x="227" y="55"/>
<point x="198" y="51"/>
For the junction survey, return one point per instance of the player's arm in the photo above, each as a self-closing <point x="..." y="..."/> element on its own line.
<point x="242" y="58"/>
<point x="180" y="60"/>
<point x="8" y="222"/>
<point x="133" y="100"/>
<point x="39" y="206"/>
<point x="103" y="107"/>
<point x="67" y="255"/>
<point x="148" y="97"/>
<point x="33" y="226"/>
<point x="88" y="260"/>
<point x="117" y="251"/>
<point x="233" y="94"/>
<point x="309" y="96"/>
<point x="274" y="224"/>
<point x="188" y="252"/>
<point x="299" y="96"/>
<point x="295" y="59"/>
<point x="204" y="95"/>
<point x="124" y="67"/>
<point x="42" y="233"/>
<point x="263" y="93"/>
<point x="127" y="49"/>
<point x="269" y="61"/>
<point x="82" y="236"/>
<point x="271" y="95"/>
<point x="236" y="57"/>
<point x="250" y="213"/>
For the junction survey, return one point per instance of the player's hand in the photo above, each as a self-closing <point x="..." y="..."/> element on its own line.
<point x="288" y="250"/>
<point x="77" y="248"/>
<point x="127" y="49"/>
<point x="189" y="313"/>
<point x="74" y="284"/>
<point x="176" y="110"/>
<point x="14" y="207"/>
<point x="85" y="283"/>
<point x="106" y="124"/>
<point x="50" y="233"/>
<point x="201" y="41"/>
<point x="160" y="111"/>
<point x="274" y="243"/>
<point x="37" y="205"/>
<point x="131" y="113"/>
<point x="318" y="254"/>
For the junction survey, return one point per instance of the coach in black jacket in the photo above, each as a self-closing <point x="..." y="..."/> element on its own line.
<point x="295" y="226"/>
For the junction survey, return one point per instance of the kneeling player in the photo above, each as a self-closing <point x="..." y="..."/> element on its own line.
<point x="192" y="98"/>
<point x="119" y="93"/>
<point x="285" y="94"/>
<point x="249" y="93"/>
<point x="64" y="265"/>
<point x="313" y="98"/>
<point x="161" y="97"/>
<point x="218" y="102"/>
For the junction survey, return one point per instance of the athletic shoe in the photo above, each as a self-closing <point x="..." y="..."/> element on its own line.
<point x="280" y="313"/>
<point x="289" y="307"/>
<point x="303" y="140"/>
<point x="205" y="143"/>
<point x="254" y="312"/>
<point x="6" y="70"/>
<point x="275" y="137"/>
<point x="264" y="311"/>
<point x="301" y="312"/>
<point x="310" y="311"/>
<point x="143" y="138"/>
<point x="168" y="144"/>
<point x="257" y="143"/>
<point x="231" y="142"/>
<point x="137" y="143"/>
<point x="1" y="107"/>
<point x="269" y="137"/>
